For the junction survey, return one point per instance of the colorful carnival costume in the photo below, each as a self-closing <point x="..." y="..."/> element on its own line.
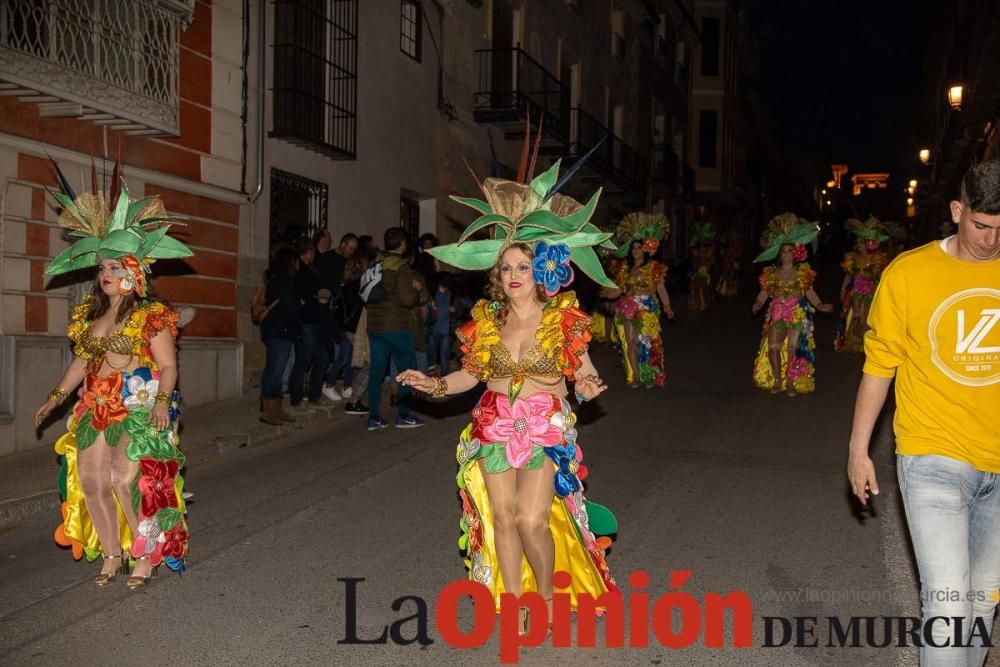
<point x="510" y="430"/>
<point x="789" y="308"/>
<point x="118" y="404"/>
<point x="862" y="273"/>
<point x="638" y="305"/>
<point x="701" y="294"/>
<point x="729" y="280"/>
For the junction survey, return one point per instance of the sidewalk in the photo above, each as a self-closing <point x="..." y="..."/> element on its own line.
<point x="208" y="432"/>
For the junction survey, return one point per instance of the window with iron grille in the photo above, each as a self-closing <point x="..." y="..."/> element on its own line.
<point x="409" y="28"/>
<point x="315" y="75"/>
<point x="298" y="208"/>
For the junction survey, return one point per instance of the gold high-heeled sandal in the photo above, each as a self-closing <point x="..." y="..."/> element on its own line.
<point x="135" y="582"/>
<point x="106" y="579"/>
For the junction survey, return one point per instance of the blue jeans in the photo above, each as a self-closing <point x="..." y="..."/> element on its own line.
<point x="342" y="362"/>
<point x="399" y="346"/>
<point x="278" y="350"/>
<point x="953" y="513"/>
<point x="311" y="355"/>
<point x="440" y="351"/>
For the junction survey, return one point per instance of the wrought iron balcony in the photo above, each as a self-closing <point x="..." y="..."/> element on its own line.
<point x="112" y="61"/>
<point x="613" y="159"/>
<point x="511" y="83"/>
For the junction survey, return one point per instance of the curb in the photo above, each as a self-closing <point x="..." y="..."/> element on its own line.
<point x="15" y="511"/>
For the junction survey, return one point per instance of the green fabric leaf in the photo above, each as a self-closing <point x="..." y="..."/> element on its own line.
<point x="113" y="433"/>
<point x="136" y="207"/>
<point x="152" y="239"/>
<point x="169" y="248"/>
<point x="167" y="518"/>
<point x="483" y="222"/>
<point x="600" y="519"/>
<point x="120" y="215"/>
<point x="82" y="262"/>
<point x="67" y="204"/>
<point x="542" y="183"/>
<point x="136" y="494"/>
<point x="588" y="262"/>
<point x="463" y="542"/>
<point x="547" y="220"/>
<point x="584" y="239"/>
<point x="61" y="479"/>
<point x="478" y="204"/>
<point x="85" y="245"/>
<point x="582" y="217"/>
<point x="471" y="255"/>
<point x="121" y="241"/>
<point x="85" y="432"/>
<point x="58" y="265"/>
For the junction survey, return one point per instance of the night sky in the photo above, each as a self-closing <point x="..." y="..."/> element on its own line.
<point x="842" y="76"/>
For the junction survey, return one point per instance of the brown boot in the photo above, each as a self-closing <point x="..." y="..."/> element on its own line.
<point x="279" y="410"/>
<point x="269" y="414"/>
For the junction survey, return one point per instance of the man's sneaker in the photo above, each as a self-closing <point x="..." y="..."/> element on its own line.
<point x="331" y="393"/>
<point x="348" y="392"/>
<point x="358" y="408"/>
<point x="376" y="423"/>
<point x="408" y="422"/>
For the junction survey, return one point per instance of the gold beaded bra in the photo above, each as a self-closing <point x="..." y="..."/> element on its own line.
<point x="97" y="346"/>
<point x="535" y="363"/>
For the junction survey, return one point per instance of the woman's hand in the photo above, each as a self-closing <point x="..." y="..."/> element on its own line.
<point x="824" y="308"/>
<point x="590" y="387"/>
<point x="44" y="411"/>
<point x="159" y="417"/>
<point x="669" y="312"/>
<point x="417" y="380"/>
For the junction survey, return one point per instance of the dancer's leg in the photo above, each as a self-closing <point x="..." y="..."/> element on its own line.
<point x="123" y="475"/>
<point x="94" y="466"/>
<point x="632" y="341"/>
<point x="501" y="488"/>
<point x="534" y="502"/>
<point x="792" y="347"/>
<point x="774" y="340"/>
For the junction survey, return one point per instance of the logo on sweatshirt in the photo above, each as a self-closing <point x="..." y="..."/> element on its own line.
<point x="965" y="337"/>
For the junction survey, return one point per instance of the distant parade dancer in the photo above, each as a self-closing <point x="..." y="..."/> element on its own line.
<point x="120" y="456"/>
<point x="785" y="358"/>
<point x="862" y="270"/>
<point x="703" y="255"/>
<point x="641" y="298"/>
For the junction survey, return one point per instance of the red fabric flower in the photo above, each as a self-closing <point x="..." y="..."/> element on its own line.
<point x="799" y="253"/>
<point x="650" y="246"/>
<point x="103" y="397"/>
<point x="484" y="414"/>
<point x="156" y="482"/>
<point x="177" y="542"/>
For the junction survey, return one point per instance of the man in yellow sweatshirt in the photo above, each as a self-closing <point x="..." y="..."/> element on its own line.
<point x="935" y="328"/>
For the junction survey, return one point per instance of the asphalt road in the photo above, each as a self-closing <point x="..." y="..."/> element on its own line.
<point x="744" y="489"/>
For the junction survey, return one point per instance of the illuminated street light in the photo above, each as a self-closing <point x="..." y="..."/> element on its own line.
<point x="955" y="97"/>
<point x="913" y="184"/>
<point x="827" y="202"/>
<point x="925" y="155"/>
<point x="909" y="201"/>
<point x="824" y="191"/>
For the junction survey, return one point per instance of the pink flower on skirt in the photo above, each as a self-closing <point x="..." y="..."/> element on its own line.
<point x="783" y="310"/>
<point x="521" y="426"/>
<point x="628" y="307"/>
<point x="863" y="285"/>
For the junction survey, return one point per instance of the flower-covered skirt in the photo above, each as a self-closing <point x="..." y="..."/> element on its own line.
<point x="791" y="313"/>
<point x="853" y="322"/>
<point x="642" y="311"/>
<point x="119" y="405"/>
<point x="700" y="297"/>
<point x="580" y="528"/>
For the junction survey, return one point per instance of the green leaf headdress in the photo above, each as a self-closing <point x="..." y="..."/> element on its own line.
<point x="112" y="226"/>
<point x="530" y="210"/>
<point x="869" y="230"/>
<point x="650" y="228"/>
<point x="787" y="229"/>
<point x="703" y="232"/>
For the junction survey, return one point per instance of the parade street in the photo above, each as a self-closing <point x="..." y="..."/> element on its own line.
<point x="745" y="489"/>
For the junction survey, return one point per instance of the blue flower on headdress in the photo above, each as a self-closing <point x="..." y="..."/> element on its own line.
<point x="551" y="266"/>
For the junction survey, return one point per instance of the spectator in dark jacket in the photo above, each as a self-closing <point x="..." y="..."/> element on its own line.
<point x="330" y="262"/>
<point x="389" y="328"/>
<point x="311" y="350"/>
<point x="279" y="331"/>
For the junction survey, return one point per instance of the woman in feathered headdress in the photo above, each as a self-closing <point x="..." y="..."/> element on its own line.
<point x="642" y="296"/>
<point x="703" y="251"/>
<point x="524" y="512"/>
<point x="120" y="455"/>
<point x="785" y="355"/>
<point x="862" y="269"/>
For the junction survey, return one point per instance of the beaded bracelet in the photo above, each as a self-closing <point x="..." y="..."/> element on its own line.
<point x="580" y="398"/>
<point x="440" y="387"/>
<point x="162" y="398"/>
<point x="58" y="395"/>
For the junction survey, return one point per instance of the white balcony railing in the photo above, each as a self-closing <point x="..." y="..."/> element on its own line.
<point x="113" y="61"/>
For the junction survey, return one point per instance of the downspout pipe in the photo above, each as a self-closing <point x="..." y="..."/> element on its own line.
<point x="261" y="63"/>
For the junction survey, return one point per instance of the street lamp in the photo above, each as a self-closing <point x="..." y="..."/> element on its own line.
<point x="955" y="97"/>
<point x="909" y="201"/>
<point x="925" y="155"/>
<point x="913" y="184"/>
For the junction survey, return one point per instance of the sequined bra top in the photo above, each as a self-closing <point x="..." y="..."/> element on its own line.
<point x="535" y="363"/>
<point x="133" y="340"/>
<point x="97" y="346"/>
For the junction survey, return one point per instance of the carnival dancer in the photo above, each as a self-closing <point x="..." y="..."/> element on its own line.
<point x="120" y="456"/>
<point x="785" y="355"/>
<point x="524" y="514"/>
<point x="862" y="269"/>
<point x="703" y="251"/>
<point x="729" y="280"/>
<point x="643" y="290"/>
